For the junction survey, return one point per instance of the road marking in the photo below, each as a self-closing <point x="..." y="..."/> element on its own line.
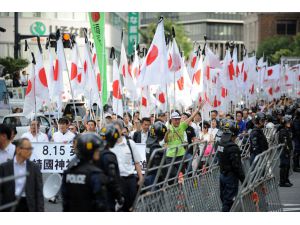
<point x="290" y="204"/>
<point x="291" y="209"/>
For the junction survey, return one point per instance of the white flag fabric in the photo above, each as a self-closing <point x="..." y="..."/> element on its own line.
<point x="273" y="72"/>
<point x="155" y="67"/>
<point x="117" y="90"/>
<point x="76" y="73"/>
<point x="145" y="102"/>
<point x="41" y="85"/>
<point x="29" y="101"/>
<point x="91" y="87"/>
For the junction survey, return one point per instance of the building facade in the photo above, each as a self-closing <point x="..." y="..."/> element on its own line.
<point x="260" y="26"/>
<point x="219" y="27"/>
<point x="43" y="23"/>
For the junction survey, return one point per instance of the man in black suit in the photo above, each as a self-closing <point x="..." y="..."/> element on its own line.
<point x="141" y="136"/>
<point x="30" y="188"/>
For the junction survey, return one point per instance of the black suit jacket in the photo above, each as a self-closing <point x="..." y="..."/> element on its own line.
<point x="33" y="186"/>
<point x="137" y="136"/>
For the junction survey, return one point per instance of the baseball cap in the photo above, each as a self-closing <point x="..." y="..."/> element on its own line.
<point x="175" y="115"/>
<point x="107" y="115"/>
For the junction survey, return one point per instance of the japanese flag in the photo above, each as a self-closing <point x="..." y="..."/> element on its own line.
<point x="117" y="90"/>
<point x="155" y="67"/>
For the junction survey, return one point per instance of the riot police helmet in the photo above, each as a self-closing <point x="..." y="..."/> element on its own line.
<point x="231" y="127"/>
<point x="110" y="134"/>
<point x="157" y="132"/>
<point x="286" y="119"/>
<point x="88" y="144"/>
<point x="260" y="116"/>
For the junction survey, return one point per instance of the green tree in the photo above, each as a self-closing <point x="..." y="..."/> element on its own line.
<point x="12" y="65"/>
<point x="182" y="40"/>
<point x="275" y="47"/>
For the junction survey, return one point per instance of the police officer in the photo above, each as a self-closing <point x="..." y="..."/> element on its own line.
<point x="84" y="185"/>
<point x="108" y="163"/>
<point x="296" y="140"/>
<point x="258" y="141"/>
<point x="231" y="171"/>
<point x="157" y="134"/>
<point x="285" y="137"/>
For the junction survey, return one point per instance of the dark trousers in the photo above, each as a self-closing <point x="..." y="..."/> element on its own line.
<point x="22" y="205"/>
<point x="129" y="190"/>
<point x="229" y="186"/>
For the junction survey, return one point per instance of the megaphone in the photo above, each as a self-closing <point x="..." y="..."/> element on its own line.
<point x="52" y="186"/>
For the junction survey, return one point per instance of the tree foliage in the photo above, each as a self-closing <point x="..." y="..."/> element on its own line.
<point x="184" y="43"/>
<point x="275" y="47"/>
<point x="13" y="65"/>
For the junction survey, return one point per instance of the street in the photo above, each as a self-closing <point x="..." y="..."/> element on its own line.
<point x="290" y="197"/>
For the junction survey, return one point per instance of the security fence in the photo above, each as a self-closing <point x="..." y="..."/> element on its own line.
<point x="11" y="205"/>
<point x="191" y="182"/>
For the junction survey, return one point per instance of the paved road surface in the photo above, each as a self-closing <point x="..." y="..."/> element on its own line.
<point x="290" y="197"/>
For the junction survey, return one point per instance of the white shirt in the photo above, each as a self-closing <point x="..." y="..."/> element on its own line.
<point x="20" y="169"/>
<point x="124" y="157"/>
<point x="8" y="153"/>
<point x="213" y="132"/>
<point x="144" y="137"/>
<point x="205" y="137"/>
<point x="66" y="137"/>
<point x="270" y="125"/>
<point x="41" y="137"/>
<point x="197" y="128"/>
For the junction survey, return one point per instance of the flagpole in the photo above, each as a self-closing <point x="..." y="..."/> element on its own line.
<point x="69" y="79"/>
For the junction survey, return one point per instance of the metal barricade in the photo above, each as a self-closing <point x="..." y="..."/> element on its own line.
<point x="259" y="191"/>
<point x="13" y="204"/>
<point x="193" y="186"/>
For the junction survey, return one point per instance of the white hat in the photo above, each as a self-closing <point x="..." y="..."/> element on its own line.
<point x="175" y="115"/>
<point x="107" y="115"/>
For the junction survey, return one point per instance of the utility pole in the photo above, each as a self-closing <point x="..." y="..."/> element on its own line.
<point x="17" y="40"/>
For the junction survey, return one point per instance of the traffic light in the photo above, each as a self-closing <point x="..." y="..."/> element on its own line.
<point x="66" y="39"/>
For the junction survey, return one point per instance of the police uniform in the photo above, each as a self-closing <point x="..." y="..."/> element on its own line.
<point x="296" y="140"/>
<point x="108" y="163"/>
<point x="84" y="185"/>
<point x="84" y="189"/>
<point x="258" y="143"/>
<point x="285" y="137"/>
<point x="157" y="133"/>
<point x="231" y="171"/>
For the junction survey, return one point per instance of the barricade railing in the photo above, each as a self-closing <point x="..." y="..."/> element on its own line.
<point x="187" y="183"/>
<point x="14" y="203"/>
<point x="259" y="191"/>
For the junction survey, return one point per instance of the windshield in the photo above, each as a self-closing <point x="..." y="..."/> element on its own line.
<point x="69" y="110"/>
<point x="18" y="121"/>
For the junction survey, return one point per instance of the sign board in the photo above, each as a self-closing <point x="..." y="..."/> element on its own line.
<point x="133" y="31"/>
<point x="52" y="157"/>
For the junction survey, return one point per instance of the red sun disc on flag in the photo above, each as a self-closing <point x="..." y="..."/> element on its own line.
<point x="144" y="101"/>
<point x="161" y="98"/>
<point x="197" y="76"/>
<point x="180" y="83"/>
<point x="116" y="90"/>
<point x="99" y="81"/>
<point x="79" y="78"/>
<point x="73" y="71"/>
<point x="193" y="63"/>
<point x="170" y="61"/>
<point x="270" y="71"/>
<point x="85" y="67"/>
<point x="56" y="70"/>
<point x="43" y="78"/>
<point x="29" y="87"/>
<point x="95" y="16"/>
<point x="94" y="58"/>
<point x="152" y="55"/>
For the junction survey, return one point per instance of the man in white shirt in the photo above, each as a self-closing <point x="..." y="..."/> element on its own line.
<point x="128" y="161"/>
<point x="63" y="135"/>
<point x="7" y="150"/>
<point x="34" y="134"/>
